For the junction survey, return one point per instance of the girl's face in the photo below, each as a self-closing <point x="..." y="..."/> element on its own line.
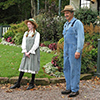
<point x="30" y="26"/>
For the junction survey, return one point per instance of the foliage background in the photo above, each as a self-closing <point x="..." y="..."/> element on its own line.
<point x="15" y="11"/>
<point x="51" y="27"/>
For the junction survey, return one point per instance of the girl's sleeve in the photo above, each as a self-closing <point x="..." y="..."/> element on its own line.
<point x="24" y="43"/>
<point x="36" y="44"/>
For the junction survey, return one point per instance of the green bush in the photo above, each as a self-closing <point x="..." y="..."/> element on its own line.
<point x="9" y="33"/>
<point x="86" y="15"/>
<point x="61" y="40"/>
<point x="46" y="43"/>
<point x="50" y="28"/>
<point x="89" y="60"/>
<point x="18" y="38"/>
<point x="16" y="31"/>
<point x="50" y="25"/>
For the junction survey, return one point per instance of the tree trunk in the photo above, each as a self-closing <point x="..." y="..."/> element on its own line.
<point x="34" y="8"/>
<point x="45" y="5"/>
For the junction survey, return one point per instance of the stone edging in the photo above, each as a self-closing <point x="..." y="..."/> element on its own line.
<point x="40" y="81"/>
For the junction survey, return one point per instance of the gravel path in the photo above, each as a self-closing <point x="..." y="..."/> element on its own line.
<point x="89" y="90"/>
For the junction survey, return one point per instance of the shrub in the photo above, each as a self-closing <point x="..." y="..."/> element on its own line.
<point x="50" y="25"/>
<point x="60" y="47"/>
<point x="8" y="34"/>
<point x="45" y="49"/>
<point x="50" y="28"/>
<point x="86" y="15"/>
<point x="57" y="61"/>
<point x="9" y="39"/>
<point x="46" y="43"/>
<point x="54" y="61"/>
<point x="42" y="45"/>
<point x="97" y="22"/>
<point x="53" y="46"/>
<point x="16" y="32"/>
<point x="18" y="38"/>
<point x="89" y="58"/>
<point x="51" y="70"/>
<point x="61" y="40"/>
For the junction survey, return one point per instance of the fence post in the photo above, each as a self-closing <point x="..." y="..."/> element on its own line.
<point x="98" y="60"/>
<point x="38" y="7"/>
<point x="59" y="7"/>
<point x="1" y="30"/>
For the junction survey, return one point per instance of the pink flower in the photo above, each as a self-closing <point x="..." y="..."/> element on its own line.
<point x="53" y="46"/>
<point x="42" y="45"/>
<point x="9" y="39"/>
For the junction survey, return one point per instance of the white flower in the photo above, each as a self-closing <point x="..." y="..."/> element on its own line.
<point x="45" y="49"/>
<point x="50" y="69"/>
<point x="8" y="43"/>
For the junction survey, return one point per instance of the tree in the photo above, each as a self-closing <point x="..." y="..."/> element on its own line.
<point x="34" y="8"/>
<point x="14" y="10"/>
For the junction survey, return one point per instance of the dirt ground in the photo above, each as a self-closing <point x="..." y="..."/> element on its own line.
<point x="89" y="90"/>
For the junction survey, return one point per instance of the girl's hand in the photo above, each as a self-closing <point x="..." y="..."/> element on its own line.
<point x="27" y="54"/>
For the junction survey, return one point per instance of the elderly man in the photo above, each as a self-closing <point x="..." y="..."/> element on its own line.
<point x="73" y="43"/>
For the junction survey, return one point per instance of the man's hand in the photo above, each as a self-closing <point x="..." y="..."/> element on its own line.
<point x="27" y="54"/>
<point x="77" y="55"/>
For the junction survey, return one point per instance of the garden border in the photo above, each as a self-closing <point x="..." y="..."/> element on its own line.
<point x="41" y="81"/>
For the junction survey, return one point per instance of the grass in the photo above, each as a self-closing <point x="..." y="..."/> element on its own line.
<point x="10" y="59"/>
<point x="0" y="39"/>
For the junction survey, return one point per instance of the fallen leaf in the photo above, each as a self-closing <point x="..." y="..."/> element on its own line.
<point x="18" y="89"/>
<point x="85" y="96"/>
<point x="80" y="81"/>
<point x="28" y="84"/>
<point x="88" y="80"/>
<point x="62" y="96"/>
<point x="57" y="84"/>
<point x="70" y="98"/>
<point x="3" y="87"/>
<point x="49" y="85"/>
<point x="34" y="89"/>
<point x="84" y="84"/>
<point x="93" y="86"/>
<point x="9" y="91"/>
<point x="97" y="78"/>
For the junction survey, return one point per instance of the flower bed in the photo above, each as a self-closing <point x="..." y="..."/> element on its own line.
<point x="6" y="42"/>
<point x="45" y="49"/>
<point x="51" y="70"/>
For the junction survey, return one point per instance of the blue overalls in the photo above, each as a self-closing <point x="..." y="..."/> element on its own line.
<point x="72" y="44"/>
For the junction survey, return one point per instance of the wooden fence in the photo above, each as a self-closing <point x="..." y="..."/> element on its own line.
<point x="3" y="30"/>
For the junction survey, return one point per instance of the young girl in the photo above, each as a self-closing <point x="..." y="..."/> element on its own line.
<point x="31" y="59"/>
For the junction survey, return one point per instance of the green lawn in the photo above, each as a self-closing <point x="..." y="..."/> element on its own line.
<point x="10" y="59"/>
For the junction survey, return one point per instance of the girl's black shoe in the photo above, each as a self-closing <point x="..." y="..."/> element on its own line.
<point x="31" y="86"/>
<point x="16" y="85"/>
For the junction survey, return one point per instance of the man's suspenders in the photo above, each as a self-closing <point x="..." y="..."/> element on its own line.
<point x="73" y="23"/>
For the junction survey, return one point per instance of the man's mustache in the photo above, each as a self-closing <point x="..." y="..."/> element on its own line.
<point x="67" y="16"/>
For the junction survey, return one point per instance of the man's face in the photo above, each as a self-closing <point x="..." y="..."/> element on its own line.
<point x="68" y="15"/>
